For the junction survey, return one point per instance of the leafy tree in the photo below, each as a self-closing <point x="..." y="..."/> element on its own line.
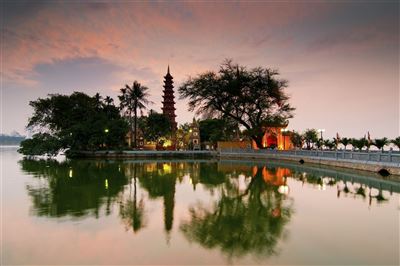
<point x="310" y="137"/>
<point x="131" y="99"/>
<point x="39" y="144"/>
<point x="73" y="122"/>
<point x="254" y="98"/>
<point x="330" y="144"/>
<point x="396" y="142"/>
<point x="155" y="126"/>
<point x="319" y="143"/>
<point x="380" y="143"/>
<point x="214" y="130"/>
<point x="345" y="142"/>
<point x="260" y="209"/>
<point x="359" y="143"/>
<point x="297" y="139"/>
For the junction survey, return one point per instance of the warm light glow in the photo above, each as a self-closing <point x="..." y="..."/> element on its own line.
<point x="167" y="143"/>
<point x="106" y="183"/>
<point x="284" y="189"/>
<point x="167" y="168"/>
<point x="106" y="130"/>
<point x="70" y="173"/>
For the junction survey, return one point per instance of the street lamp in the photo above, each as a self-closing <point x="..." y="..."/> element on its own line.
<point x="321" y="131"/>
<point x="106" y="130"/>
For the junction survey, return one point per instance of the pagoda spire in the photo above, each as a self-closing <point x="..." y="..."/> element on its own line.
<point x="168" y="99"/>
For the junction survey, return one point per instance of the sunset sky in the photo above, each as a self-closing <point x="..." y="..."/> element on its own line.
<point x="341" y="59"/>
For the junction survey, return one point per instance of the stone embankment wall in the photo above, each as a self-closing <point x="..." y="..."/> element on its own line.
<point x="373" y="166"/>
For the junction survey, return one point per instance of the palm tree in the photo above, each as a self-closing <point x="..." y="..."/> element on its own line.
<point x="380" y="143"/>
<point x="108" y="100"/>
<point x="330" y="144"/>
<point x="396" y="142"/>
<point x="131" y="99"/>
<point x="359" y="143"/>
<point x="97" y="98"/>
<point x="345" y="142"/>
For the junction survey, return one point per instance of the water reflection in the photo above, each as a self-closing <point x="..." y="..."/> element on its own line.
<point x="248" y="219"/>
<point x="244" y="208"/>
<point x="76" y="188"/>
<point x="132" y="211"/>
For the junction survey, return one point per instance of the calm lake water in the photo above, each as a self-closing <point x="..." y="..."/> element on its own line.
<point x="194" y="212"/>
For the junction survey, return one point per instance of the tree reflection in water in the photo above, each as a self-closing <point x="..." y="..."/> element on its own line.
<point x="248" y="216"/>
<point x="242" y="221"/>
<point x="75" y="188"/>
<point x="131" y="210"/>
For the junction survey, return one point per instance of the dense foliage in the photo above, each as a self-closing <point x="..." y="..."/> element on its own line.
<point x="214" y="130"/>
<point x="255" y="98"/>
<point x="310" y="137"/>
<point x="74" y="122"/>
<point x="155" y="126"/>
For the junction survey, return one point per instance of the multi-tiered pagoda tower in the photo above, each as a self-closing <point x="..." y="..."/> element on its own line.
<point x="168" y="100"/>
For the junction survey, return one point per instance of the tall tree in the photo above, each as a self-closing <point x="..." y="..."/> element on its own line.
<point x="255" y="98"/>
<point x="155" y="126"/>
<point x="345" y="142"/>
<point x="132" y="99"/>
<point x="396" y="142"/>
<point x="214" y="130"/>
<point x="73" y="122"/>
<point x="310" y="137"/>
<point x="297" y="139"/>
<point x="359" y="143"/>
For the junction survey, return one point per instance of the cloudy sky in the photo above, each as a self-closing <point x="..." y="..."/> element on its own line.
<point x="341" y="57"/>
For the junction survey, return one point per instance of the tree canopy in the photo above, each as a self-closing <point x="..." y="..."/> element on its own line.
<point x="155" y="126"/>
<point x="214" y="130"/>
<point x="73" y="122"/>
<point x="255" y="98"/>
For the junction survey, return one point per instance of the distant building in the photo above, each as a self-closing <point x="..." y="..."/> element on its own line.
<point x="129" y="138"/>
<point x="194" y="139"/>
<point x="168" y="100"/>
<point x="276" y="137"/>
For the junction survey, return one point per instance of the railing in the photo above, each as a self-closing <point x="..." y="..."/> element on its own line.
<point x="371" y="156"/>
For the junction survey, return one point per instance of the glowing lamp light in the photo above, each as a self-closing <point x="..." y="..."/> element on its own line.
<point x="106" y="183"/>
<point x="70" y="173"/>
<point x="106" y="130"/>
<point x="167" y="168"/>
<point x="284" y="189"/>
<point x="167" y="143"/>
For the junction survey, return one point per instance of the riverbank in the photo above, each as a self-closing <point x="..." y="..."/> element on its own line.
<point x="371" y="162"/>
<point x="145" y="154"/>
<point x="349" y="160"/>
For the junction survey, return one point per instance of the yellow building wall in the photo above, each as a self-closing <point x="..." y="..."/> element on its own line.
<point x="233" y="144"/>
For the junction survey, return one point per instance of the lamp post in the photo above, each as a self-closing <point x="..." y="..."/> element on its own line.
<point x="106" y="132"/>
<point x="321" y="139"/>
<point x="321" y="131"/>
